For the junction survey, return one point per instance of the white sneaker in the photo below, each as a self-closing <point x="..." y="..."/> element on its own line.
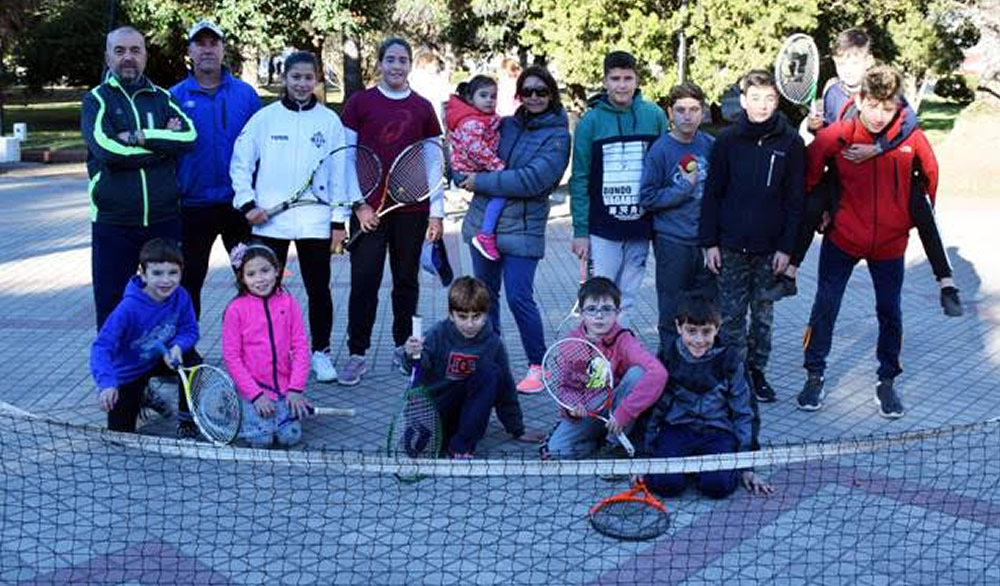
<point x="323" y="367"/>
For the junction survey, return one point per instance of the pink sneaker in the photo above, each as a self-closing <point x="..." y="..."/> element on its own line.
<point x="532" y="381"/>
<point x="486" y="244"/>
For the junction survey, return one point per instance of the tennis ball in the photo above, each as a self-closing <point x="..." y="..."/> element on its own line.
<point x="689" y="164"/>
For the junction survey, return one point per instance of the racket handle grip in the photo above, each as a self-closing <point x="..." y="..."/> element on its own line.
<point x="416" y="329"/>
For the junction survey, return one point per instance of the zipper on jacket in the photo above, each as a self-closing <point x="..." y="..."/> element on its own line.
<point x="142" y="172"/>
<point x="274" y="349"/>
<point x="874" y="207"/>
<point x="770" y="170"/>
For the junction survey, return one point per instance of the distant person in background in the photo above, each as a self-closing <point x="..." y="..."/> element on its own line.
<point x="134" y="132"/>
<point x="219" y="105"/>
<point x="507" y="100"/>
<point x="430" y="80"/>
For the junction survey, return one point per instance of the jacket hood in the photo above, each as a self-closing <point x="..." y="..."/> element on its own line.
<point x="458" y="110"/>
<point x="600" y="101"/>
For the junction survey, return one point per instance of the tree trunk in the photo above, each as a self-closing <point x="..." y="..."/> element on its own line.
<point x="352" y="80"/>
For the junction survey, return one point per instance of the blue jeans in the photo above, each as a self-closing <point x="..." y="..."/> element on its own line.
<point x="679" y="268"/>
<point x="517" y="273"/>
<point x="674" y="441"/>
<point x="835" y="268"/>
<point x="624" y="262"/>
<point x="573" y="439"/>
<point x="465" y="408"/>
<point x="261" y="432"/>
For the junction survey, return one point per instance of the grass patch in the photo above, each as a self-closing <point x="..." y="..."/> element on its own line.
<point x="938" y="116"/>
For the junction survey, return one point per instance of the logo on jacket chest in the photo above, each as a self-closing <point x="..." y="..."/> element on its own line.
<point x="318" y="140"/>
<point x="460" y="365"/>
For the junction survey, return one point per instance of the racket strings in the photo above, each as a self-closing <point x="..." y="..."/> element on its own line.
<point x="629" y="519"/>
<point x="797" y="69"/>
<point x="416" y="433"/>
<point x="215" y="403"/>
<point x="416" y="172"/>
<point x="578" y="375"/>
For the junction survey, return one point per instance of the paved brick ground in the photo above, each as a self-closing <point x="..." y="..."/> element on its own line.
<point x="952" y="368"/>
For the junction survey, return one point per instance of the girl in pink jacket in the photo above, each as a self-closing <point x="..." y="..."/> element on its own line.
<point x="265" y="349"/>
<point x="474" y="137"/>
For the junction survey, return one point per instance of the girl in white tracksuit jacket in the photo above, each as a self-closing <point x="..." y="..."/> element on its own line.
<point x="281" y="143"/>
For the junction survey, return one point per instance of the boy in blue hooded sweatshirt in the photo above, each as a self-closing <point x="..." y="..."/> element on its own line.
<point x="750" y="214"/>
<point x="155" y="311"/>
<point x="610" y="228"/>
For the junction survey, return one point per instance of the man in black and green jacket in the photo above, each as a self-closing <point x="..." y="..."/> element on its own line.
<point x="134" y="130"/>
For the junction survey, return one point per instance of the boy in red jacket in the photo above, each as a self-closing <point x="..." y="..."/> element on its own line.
<point x="873" y="223"/>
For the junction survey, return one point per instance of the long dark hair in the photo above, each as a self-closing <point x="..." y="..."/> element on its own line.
<point x="550" y="82"/>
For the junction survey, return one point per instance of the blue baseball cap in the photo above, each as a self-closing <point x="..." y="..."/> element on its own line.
<point x="434" y="260"/>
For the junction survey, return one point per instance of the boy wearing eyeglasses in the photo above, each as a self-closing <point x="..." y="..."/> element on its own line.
<point x="640" y="375"/>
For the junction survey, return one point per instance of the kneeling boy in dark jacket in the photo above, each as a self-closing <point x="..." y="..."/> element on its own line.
<point x="705" y="408"/>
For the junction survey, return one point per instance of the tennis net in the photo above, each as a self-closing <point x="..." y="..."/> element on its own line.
<point x="81" y="505"/>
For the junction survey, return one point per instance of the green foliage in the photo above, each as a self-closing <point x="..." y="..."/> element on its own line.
<point x="954" y="87"/>
<point x="63" y="43"/>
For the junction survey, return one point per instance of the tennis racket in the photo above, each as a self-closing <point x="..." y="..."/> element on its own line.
<point x="362" y="173"/>
<point x="576" y="373"/>
<point x="416" y="174"/>
<point x="796" y="71"/>
<point x="212" y="399"/>
<point x="312" y="410"/>
<point x="633" y="515"/>
<point x="416" y="430"/>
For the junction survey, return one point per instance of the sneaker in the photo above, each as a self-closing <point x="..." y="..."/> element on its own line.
<point x="350" y="373"/>
<point x="187" y="430"/>
<point x="764" y="392"/>
<point x="399" y="361"/>
<point x="889" y="404"/>
<point x="486" y="244"/>
<point x="532" y="381"/>
<point x="153" y="401"/>
<point x="812" y="395"/>
<point x="950" y="301"/>
<point x="782" y="286"/>
<point x="323" y="367"/>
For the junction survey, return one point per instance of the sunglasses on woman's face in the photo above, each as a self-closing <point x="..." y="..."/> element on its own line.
<point x="541" y="92"/>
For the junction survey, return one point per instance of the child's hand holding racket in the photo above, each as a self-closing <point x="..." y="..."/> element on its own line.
<point x="257" y="216"/>
<point x="264" y="406"/>
<point x="174" y="357"/>
<point x="367" y="218"/>
<point x="414" y="347"/>
<point x="614" y="427"/>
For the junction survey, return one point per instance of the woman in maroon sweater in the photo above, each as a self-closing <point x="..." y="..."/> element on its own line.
<point x="387" y="118"/>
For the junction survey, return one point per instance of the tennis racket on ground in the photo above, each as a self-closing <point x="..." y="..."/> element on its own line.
<point x="796" y="70"/>
<point x="415" y="431"/>
<point x="212" y="399"/>
<point x="576" y="373"/>
<point x="417" y="173"/>
<point x="633" y="515"/>
<point x="367" y="172"/>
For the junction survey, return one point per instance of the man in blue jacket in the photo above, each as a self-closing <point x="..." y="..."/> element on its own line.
<point x="134" y="131"/>
<point x="219" y="104"/>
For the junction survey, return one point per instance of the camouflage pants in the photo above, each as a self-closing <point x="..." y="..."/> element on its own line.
<point x="741" y="281"/>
